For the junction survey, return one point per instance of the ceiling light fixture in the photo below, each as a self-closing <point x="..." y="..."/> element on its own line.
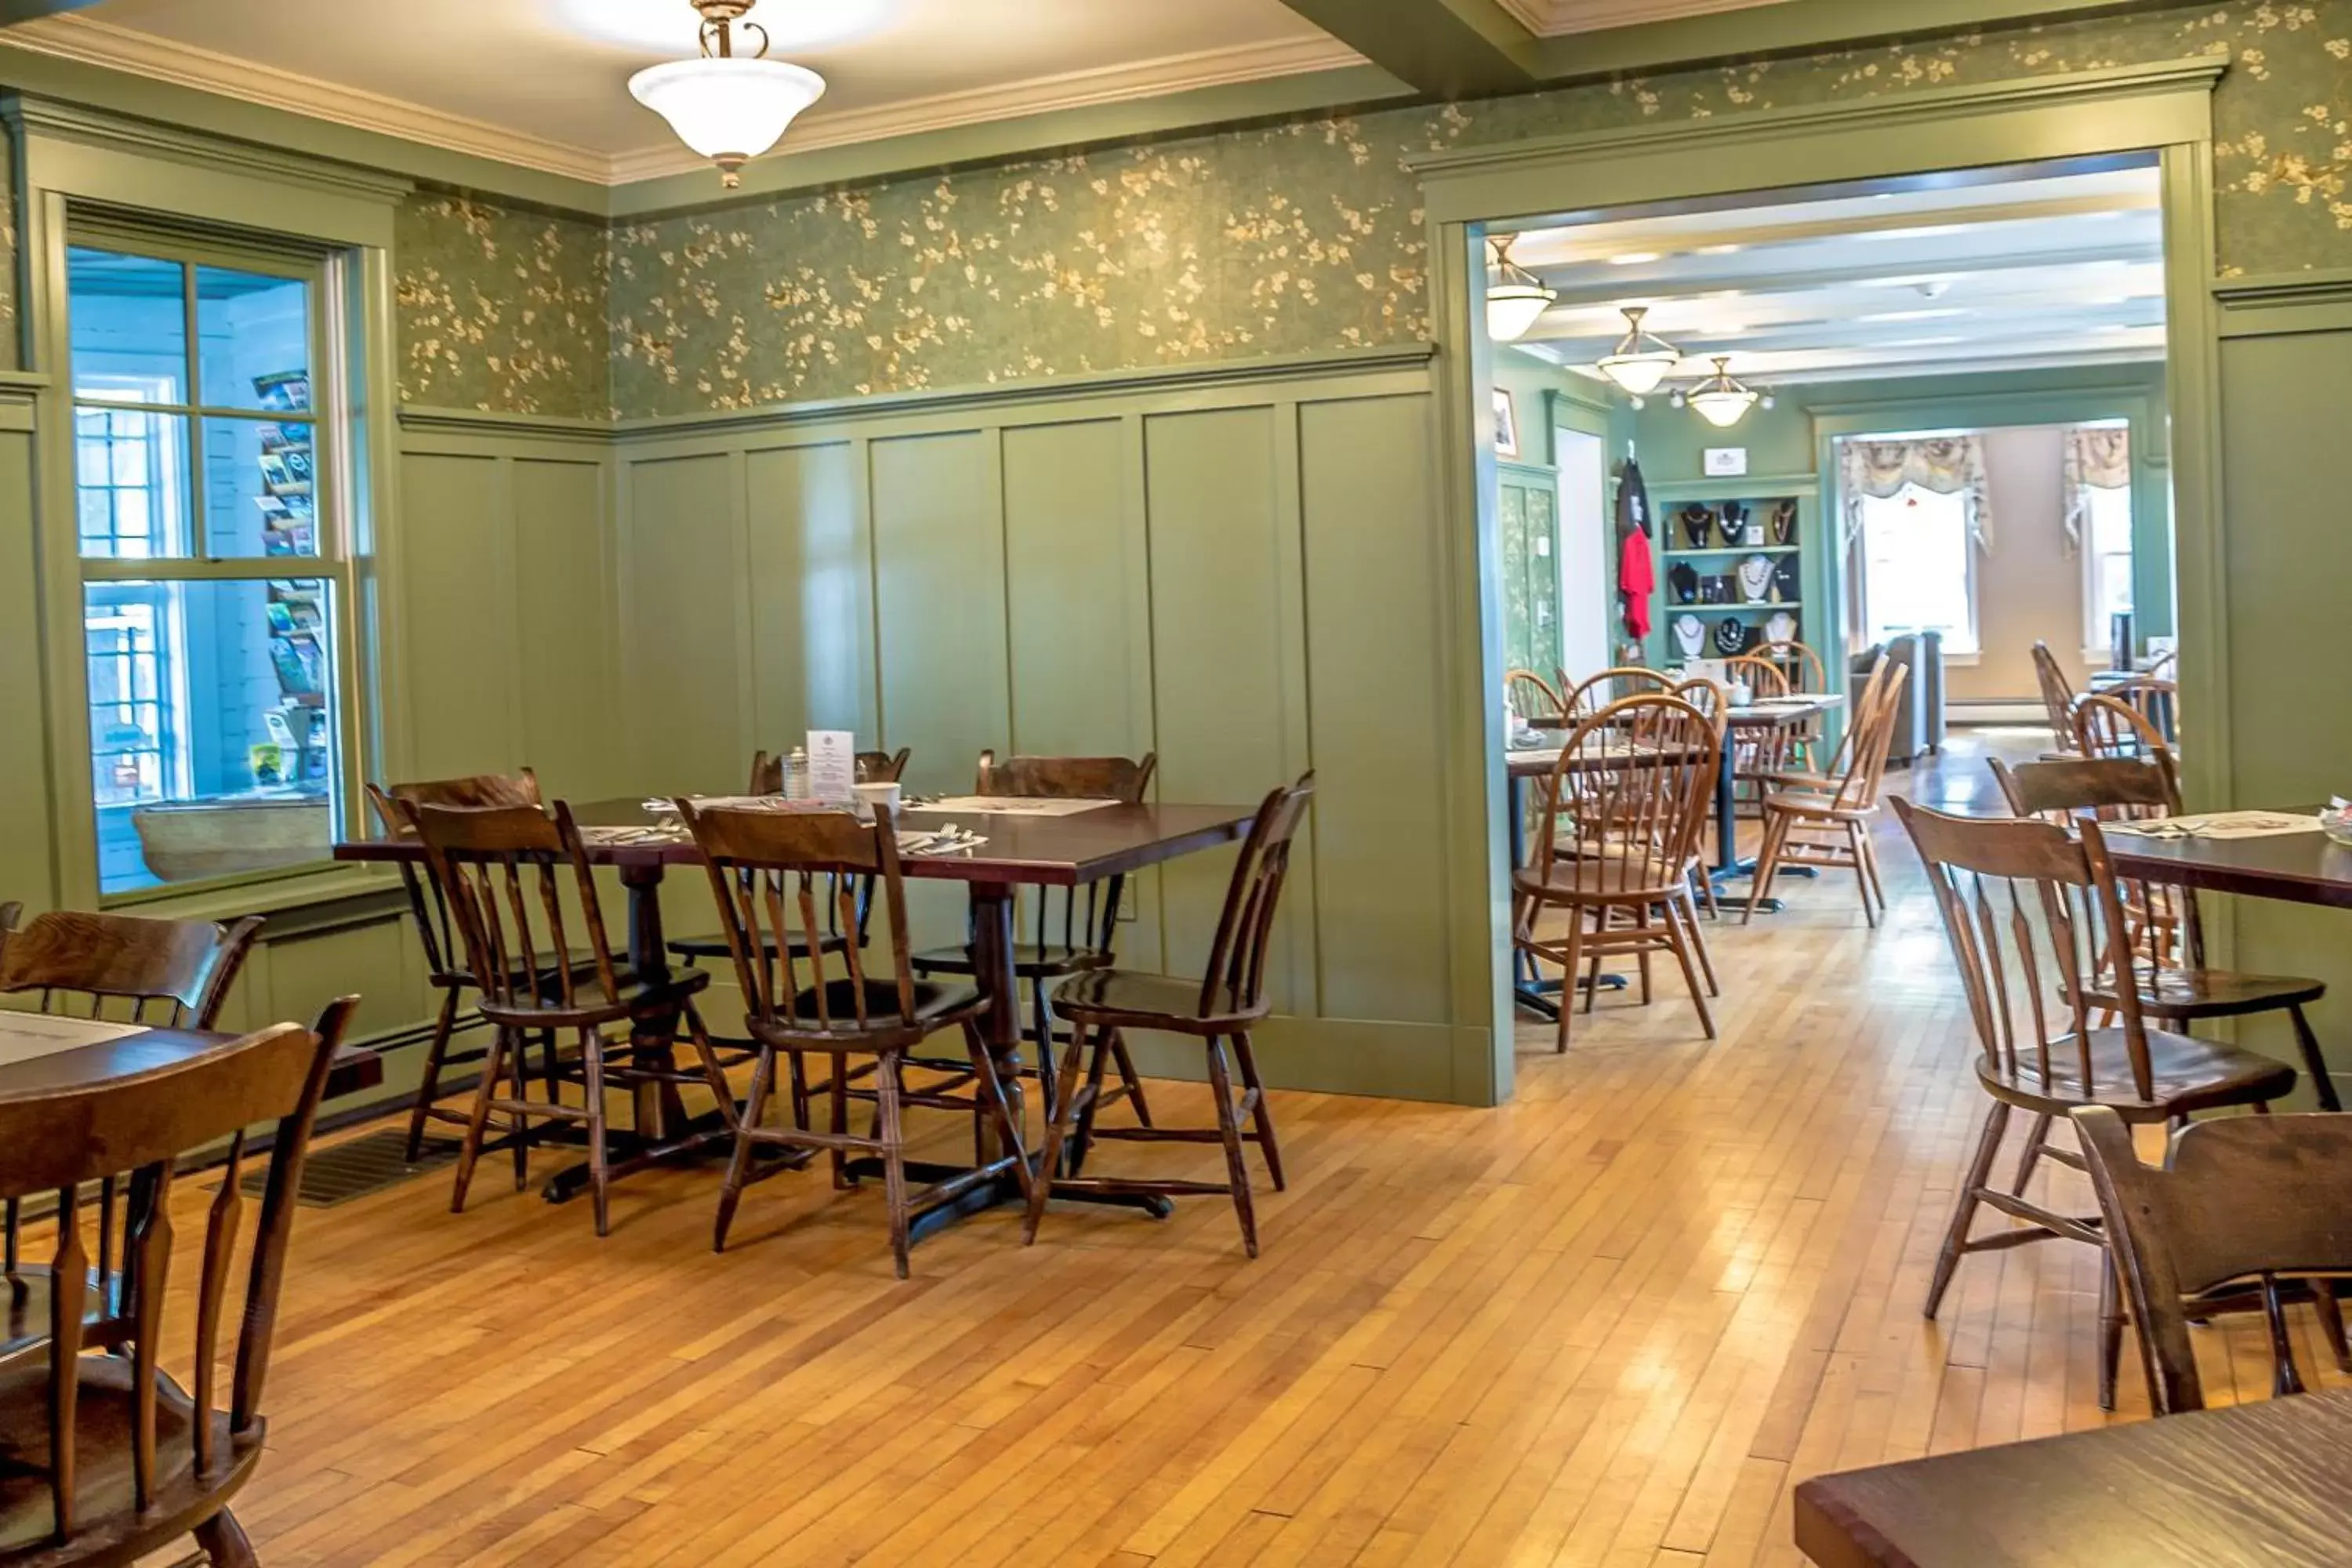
<point x="729" y="108"/>
<point x="1634" y="258"/>
<point x="1641" y="361"/>
<point x="1516" y="297"/>
<point x="1722" y="401"/>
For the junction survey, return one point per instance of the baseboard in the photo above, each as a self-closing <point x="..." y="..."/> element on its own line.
<point x="1335" y="1056"/>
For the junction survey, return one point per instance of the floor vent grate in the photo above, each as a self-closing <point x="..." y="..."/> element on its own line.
<point x="362" y="1165"/>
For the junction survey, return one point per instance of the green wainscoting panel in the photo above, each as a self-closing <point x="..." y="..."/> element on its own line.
<point x="1077" y="582"/>
<point x="2282" y="398"/>
<point x="456" y="566"/>
<point x="938" y="548"/>
<point x="1222" y="575"/>
<point x="683" y="609"/>
<point x="812" y="592"/>
<point x="27" y="871"/>
<point x="1378" y="724"/>
<point x="565" y="620"/>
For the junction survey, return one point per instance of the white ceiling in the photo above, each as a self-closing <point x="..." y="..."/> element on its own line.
<point x="544" y="82"/>
<point x="1975" y="273"/>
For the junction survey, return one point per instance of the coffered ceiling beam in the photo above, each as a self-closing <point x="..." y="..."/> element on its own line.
<point x="1450" y="49"/>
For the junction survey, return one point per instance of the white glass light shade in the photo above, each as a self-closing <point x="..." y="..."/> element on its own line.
<point x="1640" y="373"/>
<point x="1513" y="309"/>
<point x="1723" y="408"/>
<point x="730" y="108"/>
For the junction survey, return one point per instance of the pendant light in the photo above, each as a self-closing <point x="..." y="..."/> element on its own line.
<point x="1641" y="361"/>
<point x="728" y="107"/>
<point x="1721" y="400"/>
<point x="1516" y="297"/>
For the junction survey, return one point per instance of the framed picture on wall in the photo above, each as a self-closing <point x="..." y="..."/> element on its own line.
<point x="1507" y="425"/>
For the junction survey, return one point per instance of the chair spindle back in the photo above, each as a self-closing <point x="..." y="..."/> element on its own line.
<point x="1234" y="980"/>
<point x="444" y="953"/>
<point x="1632" y="786"/>
<point x="503" y="871"/>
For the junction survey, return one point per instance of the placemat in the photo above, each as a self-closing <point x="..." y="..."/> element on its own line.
<point x="24" y="1036"/>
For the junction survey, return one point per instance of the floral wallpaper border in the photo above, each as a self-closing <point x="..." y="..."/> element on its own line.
<point x="1294" y="238"/>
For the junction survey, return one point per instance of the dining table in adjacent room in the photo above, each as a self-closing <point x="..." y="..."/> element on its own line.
<point x="2301" y="867"/>
<point x="2261" y="1485"/>
<point x="1019" y="844"/>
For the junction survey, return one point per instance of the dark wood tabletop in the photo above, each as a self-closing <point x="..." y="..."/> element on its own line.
<point x="2268" y="1483"/>
<point x="2299" y="867"/>
<point x="153" y="1051"/>
<point x="1058" y="851"/>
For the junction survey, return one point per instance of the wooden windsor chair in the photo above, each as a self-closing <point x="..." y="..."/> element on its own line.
<point x="1588" y="697"/>
<point x="444" y="959"/>
<point x="1220" y="1010"/>
<point x="2163" y="927"/>
<point x="2240" y="1203"/>
<point x="130" y="969"/>
<point x="507" y="873"/>
<point x="112" y="1459"/>
<point x="1071" y="929"/>
<point x="1810" y="825"/>
<point x="2057" y="695"/>
<point x="1624" y="808"/>
<point x="1534" y="700"/>
<point x="2032" y="915"/>
<point x="1807" y="676"/>
<point x="2107" y="726"/>
<point x="1759" y="756"/>
<point x="778" y="877"/>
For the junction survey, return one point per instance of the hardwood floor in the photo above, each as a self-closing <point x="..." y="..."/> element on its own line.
<point x="1612" y="1322"/>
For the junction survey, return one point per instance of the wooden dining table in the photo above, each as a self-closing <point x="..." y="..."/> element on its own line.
<point x="2294" y="868"/>
<point x="94" y="1063"/>
<point x="1015" y="851"/>
<point x="2263" y="1485"/>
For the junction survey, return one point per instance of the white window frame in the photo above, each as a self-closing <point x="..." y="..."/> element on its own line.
<point x="1953" y="653"/>
<point x="330" y="422"/>
<point x="2096" y="645"/>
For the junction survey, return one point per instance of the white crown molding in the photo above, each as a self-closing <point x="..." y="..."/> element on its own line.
<point x="86" y="41"/>
<point x="1559" y="19"/>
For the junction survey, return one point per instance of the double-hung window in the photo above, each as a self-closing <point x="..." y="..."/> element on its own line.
<point x="215" y="581"/>
<point x="1918" y="568"/>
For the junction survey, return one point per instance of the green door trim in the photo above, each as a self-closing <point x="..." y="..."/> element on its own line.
<point x="2166" y="108"/>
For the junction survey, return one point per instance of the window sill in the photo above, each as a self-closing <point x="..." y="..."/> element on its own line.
<point x="334" y="884"/>
<point x="1963" y="660"/>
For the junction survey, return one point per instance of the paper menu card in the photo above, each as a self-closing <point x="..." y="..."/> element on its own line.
<point x="2218" y="825"/>
<point x="1014" y="806"/>
<point x="832" y="765"/>
<point x="24" y="1036"/>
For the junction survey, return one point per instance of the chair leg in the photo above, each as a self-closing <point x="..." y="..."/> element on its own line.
<point x="739" y="1162"/>
<point x="518" y="1059"/>
<point x="1263" y="1117"/>
<point x="1569" y="971"/>
<point x="223" y="1543"/>
<point x="842" y="1180"/>
<point x="1869" y="860"/>
<point x="1768" y="862"/>
<point x="1221" y="1085"/>
<point x="989" y="1090"/>
<point x="712" y="1073"/>
<point x="429" y="1087"/>
<point x="894" y="1154"/>
<point x="1698" y="944"/>
<point x="1681" y="945"/>
<point x="1861" y="876"/>
<point x="2034" y="1138"/>
<point x="1642" y="955"/>
<point x="1965" y="1210"/>
<point x="1057" y="1132"/>
<point x="600" y="1174"/>
<point x="1082" y="1139"/>
<point x="2314" y="1062"/>
<point x="800" y="1092"/>
<point x="1041" y="1033"/>
<point x="2331" y="1323"/>
<point x="470" y="1151"/>
<point x="2111" y="1330"/>
<point x="1131" y="1079"/>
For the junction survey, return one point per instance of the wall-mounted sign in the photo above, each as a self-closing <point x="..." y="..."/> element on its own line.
<point x="1727" y="462"/>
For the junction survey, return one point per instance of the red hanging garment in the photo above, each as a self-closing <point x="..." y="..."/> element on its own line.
<point x="1636" y="581"/>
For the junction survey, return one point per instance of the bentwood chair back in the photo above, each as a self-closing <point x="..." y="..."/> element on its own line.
<point x="2240" y="1203"/>
<point x="521" y="893"/>
<point x="111" y="1458"/>
<point x="1533" y="699"/>
<point x="2166" y="928"/>
<point x="445" y="961"/>
<point x="2057" y="695"/>
<point x="872" y="767"/>
<point x="129" y="968"/>
<point x="1219" y="1012"/>
<point x="2107" y="726"/>
<point x="1798" y="664"/>
<point x="2032" y="915"/>
<point x="782" y="880"/>
<point x="1589" y="697"/>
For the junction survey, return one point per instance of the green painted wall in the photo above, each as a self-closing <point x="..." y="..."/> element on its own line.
<point x="1299" y="237"/>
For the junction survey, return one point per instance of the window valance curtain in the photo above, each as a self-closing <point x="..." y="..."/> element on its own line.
<point x="2098" y="457"/>
<point x="1946" y="466"/>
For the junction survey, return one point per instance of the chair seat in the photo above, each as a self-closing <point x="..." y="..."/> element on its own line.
<point x="2188" y="994"/>
<point x="1124" y="998"/>
<point x="1812" y="802"/>
<point x="1607" y="879"/>
<point x="715" y="949"/>
<point x="937" y="1005"/>
<point x="2185" y="1075"/>
<point x="1031" y="961"/>
<point x="591" y="1006"/>
<point x="105" y="1420"/>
